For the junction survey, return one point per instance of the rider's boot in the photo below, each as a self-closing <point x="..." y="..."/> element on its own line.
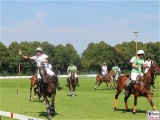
<point x="130" y="88"/>
<point x="67" y="82"/>
<point x="55" y="78"/>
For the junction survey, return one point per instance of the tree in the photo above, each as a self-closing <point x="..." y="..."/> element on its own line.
<point x="3" y="58"/>
<point x="153" y="50"/>
<point x="96" y="54"/>
<point x="13" y="58"/>
<point x="64" y="55"/>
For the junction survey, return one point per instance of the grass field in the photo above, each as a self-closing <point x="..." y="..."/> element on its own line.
<point x="89" y="104"/>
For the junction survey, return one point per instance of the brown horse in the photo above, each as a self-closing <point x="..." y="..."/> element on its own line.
<point x="73" y="83"/>
<point x="33" y="83"/>
<point x="107" y="79"/>
<point x="141" y="88"/>
<point x="48" y="89"/>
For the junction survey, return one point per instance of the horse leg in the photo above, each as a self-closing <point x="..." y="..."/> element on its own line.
<point x="30" y="93"/>
<point x="135" y="102"/>
<point x="99" y="85"/>
<point x="114" y="82"/>
<point x="119" y="90"/>
<point x="73" y="92"/>
<point x="35" y="92"/>
<point x="148" y="96"/>
<point x="126" y="104"/>
<point x="152" y="88"/>
<point x="110" y="85"/>
<point x="47" y="106"/>
<point x="52" y="107"/>
<point x="71" y="88"/>
<point x="95" y="86"/>
<point x="107" y="85"/>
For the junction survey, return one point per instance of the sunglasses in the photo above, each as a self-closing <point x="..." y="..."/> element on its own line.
<point x="38" y="51"/>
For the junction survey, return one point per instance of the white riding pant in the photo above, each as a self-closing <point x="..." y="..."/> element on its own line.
<point x="146" y="70"/>
<point x="116" y="77"/>
<point x="48" y="70"/>
<point x="134" y="76"/>
<point x="103" y="73"/>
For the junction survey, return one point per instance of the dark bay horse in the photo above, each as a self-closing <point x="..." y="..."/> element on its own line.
<point x="48" y="89"/>
<point x="73" y="84"/>
<point x="107" y="79"/>
<point x="141" y="88"/>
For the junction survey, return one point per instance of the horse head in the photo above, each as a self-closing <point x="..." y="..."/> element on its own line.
<point x="72" y="77"/>
<point x="155" y="69"/>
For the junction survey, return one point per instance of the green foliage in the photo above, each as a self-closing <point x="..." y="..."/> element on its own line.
<point x="91" y="59"/>
<point x="3" y="58"/>
<point x="64" y="55"/>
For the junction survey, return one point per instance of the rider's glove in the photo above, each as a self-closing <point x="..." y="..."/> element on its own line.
<point x="42" y="63"/>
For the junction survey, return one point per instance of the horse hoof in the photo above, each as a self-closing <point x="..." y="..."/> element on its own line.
<point x="29" y="99"/>
<point x="134" y="112"/>
<point x="49" y="117"/>
<point x="115" y="109"/>
<point x="34" y="97"/>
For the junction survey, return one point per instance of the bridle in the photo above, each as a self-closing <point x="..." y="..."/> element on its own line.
<point x="154" y="70"/>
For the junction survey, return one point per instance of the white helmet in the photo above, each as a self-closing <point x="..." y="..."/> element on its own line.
<point x="140" y="52"/>
<point x="39" y="49"/>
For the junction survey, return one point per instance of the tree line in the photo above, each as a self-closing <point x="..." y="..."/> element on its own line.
<point x="60" y="56"/>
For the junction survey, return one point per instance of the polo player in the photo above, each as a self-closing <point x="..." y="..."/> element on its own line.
<point x="72" y="69"/>
<point x="42" y="59"/>
<point x="137" y="62"/>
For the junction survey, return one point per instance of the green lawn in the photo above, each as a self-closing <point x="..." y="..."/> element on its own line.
<point x="89" y="104"/>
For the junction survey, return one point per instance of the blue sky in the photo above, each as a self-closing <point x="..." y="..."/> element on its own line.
<point x="79" y="22"/>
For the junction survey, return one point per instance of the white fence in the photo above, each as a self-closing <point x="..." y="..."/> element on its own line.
<point x="17" y="116"/>
<point x="13" y="77"/>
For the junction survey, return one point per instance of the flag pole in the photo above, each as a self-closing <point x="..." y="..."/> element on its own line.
<point x="19" y="70"/>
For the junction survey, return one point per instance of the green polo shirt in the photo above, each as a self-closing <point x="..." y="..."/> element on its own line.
<point x="72" y="68"/>
<point x="115" y="68"/>
<point x="139" y="62"/>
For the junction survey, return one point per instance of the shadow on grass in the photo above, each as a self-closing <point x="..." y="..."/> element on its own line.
<point x="130" y="111"/>
<point x="45" y="114"/>
<point x="105" y="89"/>
<point x="37" y="100"/>
<point x="71" y="95"/>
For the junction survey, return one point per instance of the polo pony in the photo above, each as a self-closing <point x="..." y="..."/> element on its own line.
<point x="141" y="88"/>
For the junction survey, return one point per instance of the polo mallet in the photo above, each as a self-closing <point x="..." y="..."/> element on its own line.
<point x="19" y="71"/>
<point x="136" y="45"/>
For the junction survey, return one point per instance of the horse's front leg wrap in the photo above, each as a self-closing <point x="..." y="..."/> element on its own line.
<point x="126" y="105"/>
<point x="154" y="107"/>
<point x="134" y="109"/>
<point x="135" y="102"/>
<point x="47" y="107"/>
<point x="115" y="103"/>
